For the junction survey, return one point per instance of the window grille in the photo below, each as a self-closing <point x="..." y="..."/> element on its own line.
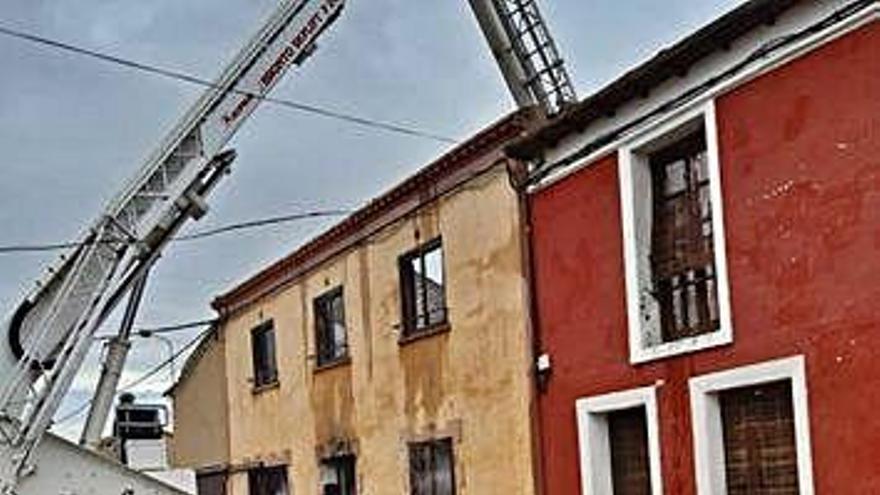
<point x="759" y="440"/>
<point x="628" y="438"/>
<point x="682" y="252"/>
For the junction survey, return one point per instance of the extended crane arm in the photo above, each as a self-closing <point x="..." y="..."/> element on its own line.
<point x="49" y="335"/>
<point x="526" y="53"/>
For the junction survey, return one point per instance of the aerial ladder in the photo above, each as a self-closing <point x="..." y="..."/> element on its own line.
<point x="49" y="334"/>
<point x="51" y="331"/>
<point x="526" y="53"/>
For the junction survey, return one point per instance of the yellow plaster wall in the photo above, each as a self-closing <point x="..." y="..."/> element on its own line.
<point x="471" y="383"/>
<point x="201" y="417"/>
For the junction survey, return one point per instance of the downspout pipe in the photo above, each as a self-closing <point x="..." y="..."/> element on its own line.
<point x="518" y="175"/>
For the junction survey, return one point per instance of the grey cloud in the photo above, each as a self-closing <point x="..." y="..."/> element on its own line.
<point x="73" y="129"/>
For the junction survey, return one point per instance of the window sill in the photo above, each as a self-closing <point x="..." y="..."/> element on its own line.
<point x="687" y="345"/>
<point x="337" y="363"/>
<point x="265" y="387"/>
<point x="424" y="333"/>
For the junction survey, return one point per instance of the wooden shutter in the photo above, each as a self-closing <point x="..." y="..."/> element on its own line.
<point x="759" y="440"/>
<point x="628" y="436"/>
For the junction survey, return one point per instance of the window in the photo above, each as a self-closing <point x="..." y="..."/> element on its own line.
<point x="759" y="446"/>
<point x="338" y="476"/>
<point x="331" y="340"/>
<point x="619" y="444"/>
<point x="263" y="355"/>
<point x="423" y="293"/>
<point x="751" y="430"/>
<point x="628" y="438"/>
<point x="676" y="275"/>
<point x="211" y="483"/>
<point x="682" y="255"/>
<point x="431" y="468"/>
<point x="268" y="481"/>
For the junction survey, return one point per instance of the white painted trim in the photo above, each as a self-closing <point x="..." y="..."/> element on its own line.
<point x="759" y="68"/>
<point x="708" y="430"/>
<point x="595" y="455"/>
<point x="634" y="176"/>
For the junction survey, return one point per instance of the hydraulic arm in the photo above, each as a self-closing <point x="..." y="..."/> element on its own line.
<point x="47" y="338"/>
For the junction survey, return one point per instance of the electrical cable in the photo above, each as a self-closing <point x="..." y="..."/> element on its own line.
<point x="195" y="80"/>
<point x="139" y="380"/>
<point x="690" y="94"/>
<point x="164" y="329"/>
<point x="252" y="224"/>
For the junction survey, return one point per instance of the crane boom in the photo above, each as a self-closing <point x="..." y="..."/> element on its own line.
<point x="50" y="333"/>
<point x="526" y="53"/>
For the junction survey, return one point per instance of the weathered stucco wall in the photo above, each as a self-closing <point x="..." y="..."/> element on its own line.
<point x="799" y="152"/>
<point x="200" y="411"/>
<point x="471" y="383"/>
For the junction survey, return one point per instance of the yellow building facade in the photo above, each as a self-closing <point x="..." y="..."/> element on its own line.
<point x="393" y="350"/>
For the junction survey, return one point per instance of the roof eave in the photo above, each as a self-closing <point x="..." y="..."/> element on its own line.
<point x="637" y="83"/>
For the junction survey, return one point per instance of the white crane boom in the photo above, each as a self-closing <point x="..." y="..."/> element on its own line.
<point x="50" y="333"/>
<point x="526" y="53"/>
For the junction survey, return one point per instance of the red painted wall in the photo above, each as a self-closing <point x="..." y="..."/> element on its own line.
<point x="800" y="159"/>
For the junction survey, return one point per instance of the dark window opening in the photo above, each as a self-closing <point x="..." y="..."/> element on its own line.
<point x="628" y="438"/>
<point x="263" y="354"/>
<point x="759" y="440"/>
<point x="423" y="292"/>
<point x="431" y="468"/>
<point x="338" y="476"/>
<point x="331" y="339"/>
<point x="268" y="481"/>
<point x="682" y="250"/>
<point x="211" y="483"/>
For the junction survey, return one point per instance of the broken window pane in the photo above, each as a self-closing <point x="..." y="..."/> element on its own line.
<point x="331" y="336"/>
<point x="423" y="290"/>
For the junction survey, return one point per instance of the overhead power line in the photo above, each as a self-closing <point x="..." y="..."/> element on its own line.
<point x="199" y="81"/>
<point x="165" y="329"/>
<point x="253" y="224"/>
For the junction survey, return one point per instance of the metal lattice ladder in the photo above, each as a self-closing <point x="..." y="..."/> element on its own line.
<point x="545" y="75"/>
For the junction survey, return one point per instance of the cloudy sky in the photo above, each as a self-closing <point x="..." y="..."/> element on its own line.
<point x="73" y="129"/>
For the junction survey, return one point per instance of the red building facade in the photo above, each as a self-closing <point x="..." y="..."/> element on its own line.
<point x="716" y="329"/>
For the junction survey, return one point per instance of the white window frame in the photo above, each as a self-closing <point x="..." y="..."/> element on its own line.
<point x="637" y="211"/>
<point x="709" y="430"/>
<point x="594" y="446"/>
